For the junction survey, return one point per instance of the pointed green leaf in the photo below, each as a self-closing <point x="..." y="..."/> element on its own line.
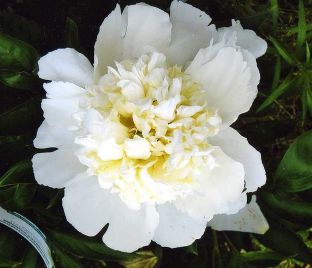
<point x="295" y="211"/>
<point x="277" y="73"/>
<point x="274" y="11"/>
<point x="16" y="54"/>
<point x="20" y="172"/>
<point x="63" y="260"/>
<point x="287" y="56"/>
<point x="286" y="242"/>
<point x="19" y="80"/>
<point x="308" y="53"/>
<point x="294" y="173"/>
<point x="283" y="87"/>
<point x="21" y="118"/>
<point x="144" y="259"/>
<point x="302" y="27"/>
<point x="87" y="247"/>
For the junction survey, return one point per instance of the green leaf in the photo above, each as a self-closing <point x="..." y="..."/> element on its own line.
<point x="30" y="259"/>
<point x="20" y="80"/>
<point x="17" y="55"/>
<point x="64" y="260"/>
<point x="144" y="259"/>
<point x="71" y="34"/>
<point x="287" y="83"/>
<point x="21" y="118"/>
<point x="285" y="242"/>
<point x="256" y="258"/>
<point x="193" y="249"/>
<point x="308" y="53"/>
<point x="275" y="12"/>
<point x="17" y="173"/>
<point x="18" y="196"/>
<point x="87" y="247"/>
<point x="288" y="57"/>
<point x="284" y="206"/>
<point x="5" y="263"/>
<point x="294" y="173"/>
<point x="21" y="28"/>
<point x="302" y="27"/>
<point x="277" y="73"/>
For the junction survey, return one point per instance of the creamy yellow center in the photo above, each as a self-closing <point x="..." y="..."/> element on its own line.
<point x="146" y="127"/>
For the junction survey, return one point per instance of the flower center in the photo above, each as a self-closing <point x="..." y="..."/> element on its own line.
<point x="145" y="130"/>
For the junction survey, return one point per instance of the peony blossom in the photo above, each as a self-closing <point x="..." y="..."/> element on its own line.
<point x="143" y="136"/>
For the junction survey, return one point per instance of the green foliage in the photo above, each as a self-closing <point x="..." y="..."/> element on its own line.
<point x="294" y="173"/>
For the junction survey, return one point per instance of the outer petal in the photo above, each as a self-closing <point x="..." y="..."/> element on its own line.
<point x="52" y="136"/>
<point x="60" y="90"/>
<point x="59" y="112"/>
<point x="66" y="65"/>
<point x="139" y="29"/>
<point x="249" y="219"/>
<point x="176" y="229"/>
<point x="229" y="77"/>
<point x="57" y="168"/>
<point x="190" y="32"/>
<point x="238" y="148"/>
<point x="247" y="39"/>
<point x="217" y="191"/>
<point x="88" y="207"/>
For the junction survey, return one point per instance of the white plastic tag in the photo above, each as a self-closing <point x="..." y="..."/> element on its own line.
<point x="30" y="232"/>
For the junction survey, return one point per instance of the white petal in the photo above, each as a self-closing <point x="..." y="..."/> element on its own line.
<point x="55" y="169"/>
<point x="247" y="39"/>
<point x="66" y="65"/>
<point x="238" y="148"/>
<point x="88" y="207"/>
<point x="217" y="191"/>
<point x="176" y="229"/>
<point x="249" y="219"/>
<point x="139" y="29"/>
<point x="59" y="112"/>
<point x="110" y="150"/>
<point x="52" y="136"/>
<point x="229" y="77"/>
<point x="59" y="90"/>
<point x="137" y="148"/>
<point x="190" y="32"/>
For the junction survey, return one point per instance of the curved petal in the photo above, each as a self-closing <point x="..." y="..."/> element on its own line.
<point x="66" y="65"/>
<point x="55" y="169"/>
<point x="52" y="136"/>
<point x="218" y="190"/>
<point x="229" y="76"/>
<point x="249" y="219"/>
<point x="176" y="229"/>
<point x="190" y="32"/>
<point x="246" y="39"/>
<point x="59" y="90"/>
<point x="238" y="148"/>
<point x="59" y="112"/>
<point x="138" y="29"/>
<point x="88" y="207"/>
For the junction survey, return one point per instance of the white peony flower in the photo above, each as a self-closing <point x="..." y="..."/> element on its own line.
<point x="143" y="137"/>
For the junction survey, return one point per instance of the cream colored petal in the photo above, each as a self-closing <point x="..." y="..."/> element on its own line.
<point x="229" y="76"/>
<point x="238" y="148"/>
<point x="190" y="32"/>
<point x="59" y="90"/>
<point x="244" y="38"/>
<point x="176" y="229"/>
<point x="139" y="29"/>
<point x="66" y="65"/>
<point x="249" y="219"/>
<point x="88" y="207"/>
<point x="55" y="169"/>
<point x="53" y="136"/>
<point x="216" y="191"/>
